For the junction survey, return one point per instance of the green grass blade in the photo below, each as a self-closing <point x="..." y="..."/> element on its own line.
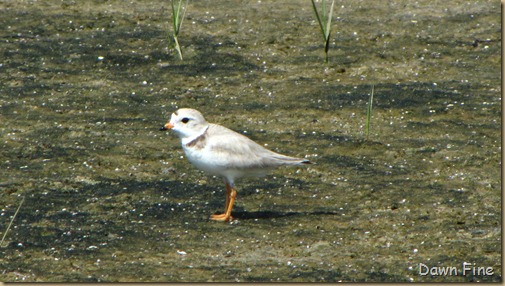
<point x="369" y="114"/>
<point x="324" y="23"/>
<point x="180" y="18"/>
<point x="323" y="15"/>
<point x="328" y="23"/>
<point x="174" y="18"/>
<point x="178" y="14"/>
<point x="328" y="32"/>
<point x="318" y="18"/>
<point x="12" y="220"/>
<point x="178" y="47"/>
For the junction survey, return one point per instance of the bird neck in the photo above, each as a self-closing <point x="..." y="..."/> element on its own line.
<point x="196" y="140"/>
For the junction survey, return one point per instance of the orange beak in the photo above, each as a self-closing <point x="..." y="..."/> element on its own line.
<point x="167" y="127"/>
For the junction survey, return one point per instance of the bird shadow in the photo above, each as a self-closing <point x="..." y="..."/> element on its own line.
<point x="275" y="214"/>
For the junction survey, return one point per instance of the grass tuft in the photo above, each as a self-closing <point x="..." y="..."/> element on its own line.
<point x="178" y="13"/>
<point x="324" y="23"/>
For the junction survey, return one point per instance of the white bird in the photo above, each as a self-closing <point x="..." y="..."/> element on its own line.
<point x="220" y="151"/>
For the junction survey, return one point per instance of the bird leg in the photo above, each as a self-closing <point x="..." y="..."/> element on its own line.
<point x="228" y="192"/>
<point x="231" y="194"/>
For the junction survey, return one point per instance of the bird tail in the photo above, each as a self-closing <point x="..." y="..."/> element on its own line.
<point x="287" y="160"/>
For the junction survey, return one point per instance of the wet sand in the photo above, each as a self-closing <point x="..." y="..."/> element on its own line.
<point x="85" y="86"/>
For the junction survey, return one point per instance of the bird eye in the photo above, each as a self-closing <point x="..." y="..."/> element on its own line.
<point x="185" y="120"/>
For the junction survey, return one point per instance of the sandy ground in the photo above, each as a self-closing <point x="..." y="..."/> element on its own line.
<point x="85" y="86"/>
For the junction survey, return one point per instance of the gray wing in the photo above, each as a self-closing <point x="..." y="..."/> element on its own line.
<point x="234" y="150"/>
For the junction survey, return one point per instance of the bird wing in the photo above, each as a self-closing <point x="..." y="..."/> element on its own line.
<point x="230" y="149"/>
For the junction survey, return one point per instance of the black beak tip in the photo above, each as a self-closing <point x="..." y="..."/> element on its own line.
<point x="163" y="128"/>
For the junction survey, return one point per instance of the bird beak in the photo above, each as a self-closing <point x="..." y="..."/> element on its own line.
<point x="167" y="127"/>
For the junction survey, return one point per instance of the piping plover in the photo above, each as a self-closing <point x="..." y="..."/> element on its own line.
<point x="220" y="151"/>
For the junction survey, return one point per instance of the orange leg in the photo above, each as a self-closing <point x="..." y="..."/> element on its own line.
<point x="231" y="194"/>
<point x="228" y="192"/>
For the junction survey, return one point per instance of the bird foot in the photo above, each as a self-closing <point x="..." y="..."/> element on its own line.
<point x="221" y="217"/>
